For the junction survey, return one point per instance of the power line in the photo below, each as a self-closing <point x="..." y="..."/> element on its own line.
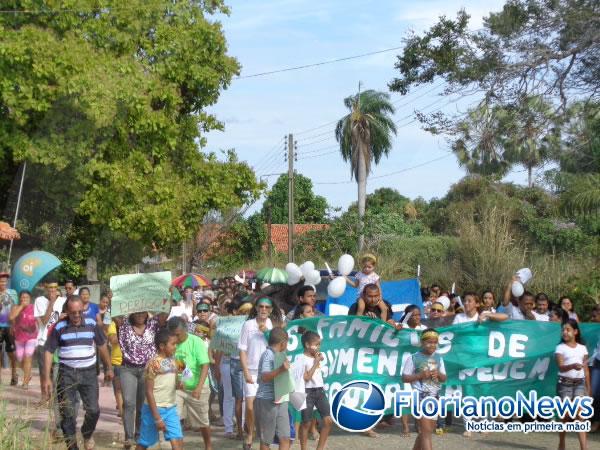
<point x="319" y="155"/>
<point x="392" y="173"/>
<point x="322" y="63"/>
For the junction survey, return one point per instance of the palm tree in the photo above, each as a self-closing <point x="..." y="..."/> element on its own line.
<point x="365" y="135"/>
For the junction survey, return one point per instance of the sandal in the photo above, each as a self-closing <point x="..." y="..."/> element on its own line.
<point x="14" y="381"/>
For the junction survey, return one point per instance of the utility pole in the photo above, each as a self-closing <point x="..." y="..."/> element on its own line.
<point x="290" y="158"/>
<point x="269" y="235"/>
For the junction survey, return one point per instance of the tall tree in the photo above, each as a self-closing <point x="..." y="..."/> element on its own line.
<point x="365" y="136"/>
<point x="308" y="207"/>
<point x="113" y="95"/>
<point x="530" y="62"/>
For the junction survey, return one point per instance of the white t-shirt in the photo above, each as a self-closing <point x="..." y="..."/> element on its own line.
<point x="424" y="362"/>
<point x="462" y="318"/>
<point x="515" y="313"/>
<point x="253" y="342"/>
<point x="39" y="310"/>
<point x="364" y="279"/>
<point x="307" y="363"/>
<point x="572" y="355"/>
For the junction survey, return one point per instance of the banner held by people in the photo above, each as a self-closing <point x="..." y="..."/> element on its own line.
<point x="489" y="358"/>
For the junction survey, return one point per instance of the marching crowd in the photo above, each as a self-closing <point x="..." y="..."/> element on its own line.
<point x="166" y="378"/>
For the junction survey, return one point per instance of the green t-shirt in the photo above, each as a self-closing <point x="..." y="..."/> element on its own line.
<point x="194" y="353"/>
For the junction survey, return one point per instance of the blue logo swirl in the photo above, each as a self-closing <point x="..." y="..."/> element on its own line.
<point x="369" y="410"/>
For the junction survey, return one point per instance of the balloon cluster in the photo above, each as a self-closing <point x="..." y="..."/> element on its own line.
<point x="307" y="271"/>
<point x="337" y="287"/>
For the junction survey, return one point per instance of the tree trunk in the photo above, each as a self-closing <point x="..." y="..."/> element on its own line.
<point x="529" y="176"/>
<point x="362" y="197"/>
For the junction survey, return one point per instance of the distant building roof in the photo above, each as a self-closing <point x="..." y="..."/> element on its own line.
<point x="279" y="233"/>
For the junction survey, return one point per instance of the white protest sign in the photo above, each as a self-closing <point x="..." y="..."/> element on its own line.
<point x="227" y="334"/>
<point x="140" y="292"/>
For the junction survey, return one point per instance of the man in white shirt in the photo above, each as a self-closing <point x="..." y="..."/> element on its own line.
<point x="47" y="310"/>
<point x="525" y="310"/>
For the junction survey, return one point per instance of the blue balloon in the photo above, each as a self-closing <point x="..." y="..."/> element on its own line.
<point x="31" y="268"/>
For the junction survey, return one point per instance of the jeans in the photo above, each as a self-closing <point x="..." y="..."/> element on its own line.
<point x="70" y="382"/>
<point x="228" y="401"/>
<point x="132" y="387"/>
<point x="595" y="375"/>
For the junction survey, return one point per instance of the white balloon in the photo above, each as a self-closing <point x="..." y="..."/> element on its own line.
<point x="345" y="264"/>
<point x="307" y="268"/>
<point x="314" y="277"/>
<point x="293" y="279"/>
<point x="293" y="270"/>
<point x="517" y="289"/>
<point x="336" y="287"/>
<point x="524" y="275"/>
<point x="444" y="301"/>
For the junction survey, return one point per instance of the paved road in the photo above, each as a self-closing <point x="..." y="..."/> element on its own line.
<point x="23" y="404"/>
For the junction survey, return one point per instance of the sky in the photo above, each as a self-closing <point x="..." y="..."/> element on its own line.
<point x="257" y="112"/>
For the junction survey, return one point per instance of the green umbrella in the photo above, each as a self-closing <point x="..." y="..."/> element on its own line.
<point x="272" y="275"/>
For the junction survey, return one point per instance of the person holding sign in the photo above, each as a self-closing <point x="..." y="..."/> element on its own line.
<point x="425" y="372"/>
<point x="316" y="397"/>
<point x="192" y="401"/>
<point x="136" y="339"/>
<point x="272" y="417"/>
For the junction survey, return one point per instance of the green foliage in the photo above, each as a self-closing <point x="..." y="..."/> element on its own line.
<point x="308" y="207"/>
<point x="384" y="199"/>
<point x="113" y="100"/>
<point x="368" y="128"/>
<point x="525" y="108"/>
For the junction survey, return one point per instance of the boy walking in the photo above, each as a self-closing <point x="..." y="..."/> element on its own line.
<point x="272" y="417"/>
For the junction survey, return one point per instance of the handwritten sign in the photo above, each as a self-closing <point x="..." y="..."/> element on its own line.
<point x="227" y="334"/>
<point x="140" y="292"/>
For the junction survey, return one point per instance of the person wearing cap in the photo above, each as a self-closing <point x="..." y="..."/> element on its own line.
<point x="8" y="299"/>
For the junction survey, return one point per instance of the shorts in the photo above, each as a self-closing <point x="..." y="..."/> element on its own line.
<point x="237" y="378"/>
<point x="25" y="349"/>
<point x="148" y="431"/>
<point x="425" y="395"/>
<point x="571" y="390"/>
<point x="194" y="412"/>
<point x="8" y="339"/>
<point x="250" y="389"/>
<point x="315" y="398"/>
<point x="273" y="419"/>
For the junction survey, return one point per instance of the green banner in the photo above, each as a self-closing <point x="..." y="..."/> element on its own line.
<point x="227" y="334"/>
<point x="140" y="292"/>
<point x="491" y="358"/>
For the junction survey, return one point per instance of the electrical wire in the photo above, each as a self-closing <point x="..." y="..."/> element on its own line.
<point x="321" y="63"/>
<point x="391" y="173"/>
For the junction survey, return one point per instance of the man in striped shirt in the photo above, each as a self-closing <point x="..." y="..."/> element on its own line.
<point x="76" y="339"/>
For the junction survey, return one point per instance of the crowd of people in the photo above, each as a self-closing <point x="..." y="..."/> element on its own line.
<point x="166" y="378"/>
